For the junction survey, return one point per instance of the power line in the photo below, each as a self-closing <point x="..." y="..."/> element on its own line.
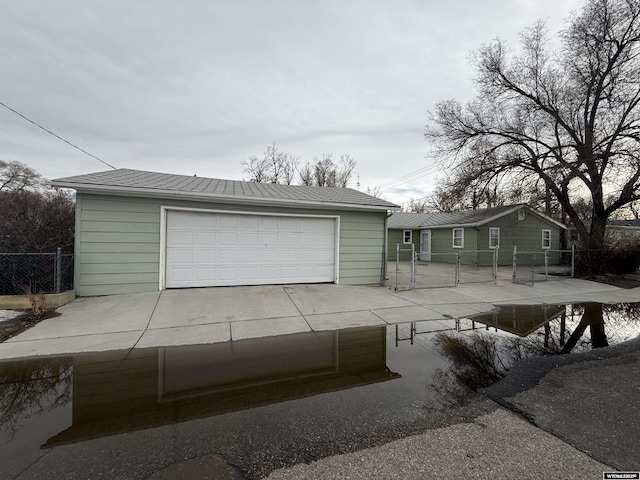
<point x="55" y="135"/>
<point x="422" y="171"/>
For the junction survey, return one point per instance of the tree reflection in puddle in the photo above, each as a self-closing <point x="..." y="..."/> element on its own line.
<point x="480" y="357"/>
<point x="31" y="388"/>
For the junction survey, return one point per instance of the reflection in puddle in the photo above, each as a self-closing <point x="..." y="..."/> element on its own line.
<point x="480" y="357"/>
<point x="373" y="372"/>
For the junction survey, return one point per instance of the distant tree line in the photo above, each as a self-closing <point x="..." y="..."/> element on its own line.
<point x="276" y="166"/>
<point x="34" y="217"/>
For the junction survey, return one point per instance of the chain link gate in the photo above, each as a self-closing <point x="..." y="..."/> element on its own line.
<point x="413" y="271"/>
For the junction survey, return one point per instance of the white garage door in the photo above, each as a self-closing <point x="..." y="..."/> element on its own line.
<point x="220" y="249"/>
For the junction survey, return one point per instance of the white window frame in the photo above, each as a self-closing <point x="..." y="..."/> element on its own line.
<point x="461" y="237"/>
<point x="404" y="237"/>
<point x="492" y="229"/>
<point x="548" y="246"/>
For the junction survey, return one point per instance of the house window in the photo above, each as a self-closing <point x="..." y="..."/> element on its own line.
<point x="546" y="238"/>
<point x="407" y="237"/>
<point x="494" y="237"/>
<point x="521" y="215"/>
<point x="458" y="238"/>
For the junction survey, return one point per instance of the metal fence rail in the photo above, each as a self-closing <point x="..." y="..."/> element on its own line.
<point x="478" y="266"/>
<point x="413" y="269"/>
<point x="35" y="272"/>
<point x="531" y="267"/>
<point x="440" y="270"/>
<point x="404" y="278"/>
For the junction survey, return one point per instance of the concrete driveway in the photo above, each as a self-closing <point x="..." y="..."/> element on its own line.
<point x="210" y="315"/>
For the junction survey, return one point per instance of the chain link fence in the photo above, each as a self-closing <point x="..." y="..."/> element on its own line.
<point x="431" y="270"/>
<point x="478" y="266"/>
<point x="532" y="267"/>
<point x="436" y="270"/>
<point x="35" y="272"/>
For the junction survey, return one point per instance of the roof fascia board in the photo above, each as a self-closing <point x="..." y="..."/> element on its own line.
<point x="181" y="195"/>
<point x="495" y="217"/>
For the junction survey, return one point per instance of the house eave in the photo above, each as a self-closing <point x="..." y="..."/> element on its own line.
<point x="496" y="217"/>
<point x="211" y="197"/>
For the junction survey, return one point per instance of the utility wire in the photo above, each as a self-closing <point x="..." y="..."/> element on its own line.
<point x="57" y="136"/>
<point x="422" y="171"/>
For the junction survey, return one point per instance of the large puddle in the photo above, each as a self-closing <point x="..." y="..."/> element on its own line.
<point x="275" y="401"/>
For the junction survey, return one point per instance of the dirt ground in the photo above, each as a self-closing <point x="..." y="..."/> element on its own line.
<point x="17" y="325"/>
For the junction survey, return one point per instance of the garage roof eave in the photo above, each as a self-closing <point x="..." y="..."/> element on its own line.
<point x="212" y="197"/>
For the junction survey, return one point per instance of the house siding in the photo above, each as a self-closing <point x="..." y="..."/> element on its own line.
<point x="442" y="245"/>
<point x="118" y="242"/>
<point x="396" y="237"/>
<point x="525" y="234"/>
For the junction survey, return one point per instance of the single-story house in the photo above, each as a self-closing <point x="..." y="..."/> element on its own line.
<point x="439" y="236"/>
<point x="140" y="231"/>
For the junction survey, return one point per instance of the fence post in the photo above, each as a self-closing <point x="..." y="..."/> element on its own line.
<point x="397" y="264"/>
<point x="457" y="269"/>
<point x="546" y="265"/>
<point x="413" y="267"/>
<point x="58" y="270"/>
<point x="573" y="260"/>
<point x="533" y="270"/>
<point x="514" y="276"/>
<point x="496" y="254"/>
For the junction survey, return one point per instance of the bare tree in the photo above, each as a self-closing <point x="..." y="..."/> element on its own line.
<point x="274" y="167"/>
<point x="419" y="205"/>
<point x="16" y="176"/>
<point x="569" y="119"/>
<point x="323" y="172"/>
<point x="376" y="192"/>
<point x="347" y="165"/>
<point x="36" y="221"/>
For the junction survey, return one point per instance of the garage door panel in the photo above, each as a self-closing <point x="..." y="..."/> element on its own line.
<point x="210" y="249"/>
<point x="205" y="257"/>
<point x="180" y="237"/>
<point x="205" y="274"/>
<point x="227" y="257"/>
<point x="180" y="257"/>
<point x="204" y="238"/>
<point x="247" y="256"/>
<point x="227" y="238"/>
<point x="249" y="239"/>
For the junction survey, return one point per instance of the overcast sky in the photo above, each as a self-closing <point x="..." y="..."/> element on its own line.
<point x="195" y="87"/>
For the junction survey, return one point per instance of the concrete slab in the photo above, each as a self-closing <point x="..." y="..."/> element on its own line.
<point x="434" y="297"/>
<point x="333" y="321"/>
<point x="414" y="313"/>
<point x="268" y="327"/>
<point x="69" y="345"/>
<point x="192" y="335"/>
<point x="462" y="311"/>
<point x="572" y="286"/>
<point x="523" y="301"/>
<point x="327" y="298"/>
<point x="624" y="296"/>
<point x="198" y="306"/>
<point x="498" y="293"/>
<point x="96" y="315"/>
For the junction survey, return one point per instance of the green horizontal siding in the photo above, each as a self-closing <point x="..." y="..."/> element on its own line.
<point x="118" y="242"/>
<point x="361" y="248"/>
<point x="525" y="234"/>
<point x="396" y="236"/>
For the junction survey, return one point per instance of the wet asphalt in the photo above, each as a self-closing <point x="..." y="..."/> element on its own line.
<point x="572" y="416"/>
<point x="569" y="417"/>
